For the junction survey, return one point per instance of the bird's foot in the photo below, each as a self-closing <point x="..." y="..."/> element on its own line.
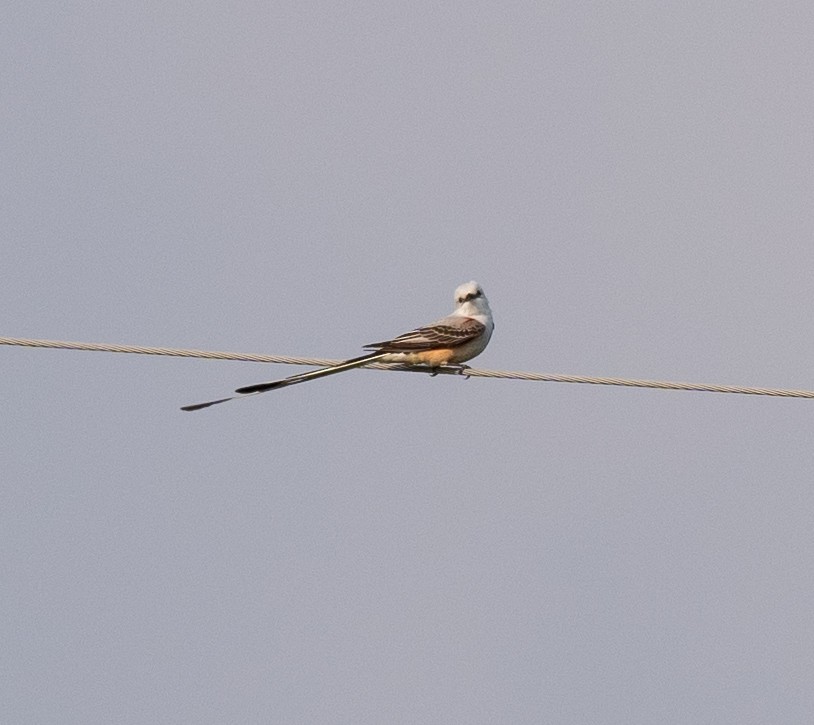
<point x="458" y="370"/>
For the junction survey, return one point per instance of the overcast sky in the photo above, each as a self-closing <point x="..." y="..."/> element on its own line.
<point x="632" y="185"/>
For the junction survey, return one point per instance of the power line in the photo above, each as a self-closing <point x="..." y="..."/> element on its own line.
<point x="473" y="372"/>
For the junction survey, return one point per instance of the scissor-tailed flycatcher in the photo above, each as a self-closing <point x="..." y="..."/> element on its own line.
<point x="450" y="341"/>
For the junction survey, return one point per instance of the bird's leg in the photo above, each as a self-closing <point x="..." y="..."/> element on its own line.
<point x="456" y="370"/>
<point x="462" y="371"/>
<point x="449" y="369"/>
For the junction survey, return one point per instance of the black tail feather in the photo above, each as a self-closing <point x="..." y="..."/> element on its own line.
<point x="201" y="406"/>
<point x="292" y="380"/>
<point x="310" y="375"/>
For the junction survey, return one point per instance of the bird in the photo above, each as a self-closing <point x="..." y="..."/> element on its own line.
<point x="450" y="341"/>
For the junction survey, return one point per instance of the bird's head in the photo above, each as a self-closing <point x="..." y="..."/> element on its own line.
<point x="470" y="300"/>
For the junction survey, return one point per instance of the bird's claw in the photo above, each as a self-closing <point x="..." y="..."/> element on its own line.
<point x="459" y="370"/>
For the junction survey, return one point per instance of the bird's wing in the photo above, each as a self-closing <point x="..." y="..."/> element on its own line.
<point x="449" y="332"/>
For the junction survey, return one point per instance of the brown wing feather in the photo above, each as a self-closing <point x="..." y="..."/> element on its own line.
<point x="432" y="336"/>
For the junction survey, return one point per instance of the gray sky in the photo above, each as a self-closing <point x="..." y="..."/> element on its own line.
<point x="632" y="185"/>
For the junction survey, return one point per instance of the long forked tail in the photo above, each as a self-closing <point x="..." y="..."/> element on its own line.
<point x="248" y="390"/>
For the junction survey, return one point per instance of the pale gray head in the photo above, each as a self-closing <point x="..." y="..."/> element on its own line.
<point x="471" y="302"/>
<point x="468" y="291"/>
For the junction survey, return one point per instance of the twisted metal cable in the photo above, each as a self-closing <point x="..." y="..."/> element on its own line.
<point x="473" y="372"/>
